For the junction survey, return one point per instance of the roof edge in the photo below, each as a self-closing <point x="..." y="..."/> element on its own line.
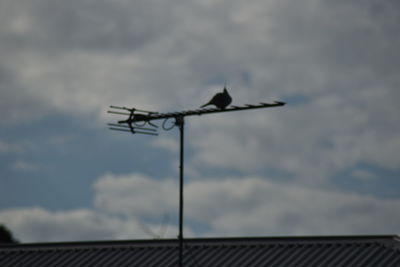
<point x="389" y="240"/>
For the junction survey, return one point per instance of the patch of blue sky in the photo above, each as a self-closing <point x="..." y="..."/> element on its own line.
<point x="369" y="179"/>
<point x="68" y="167"/>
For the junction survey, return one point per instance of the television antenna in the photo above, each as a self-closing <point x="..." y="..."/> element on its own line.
<point x="142" y="122"/>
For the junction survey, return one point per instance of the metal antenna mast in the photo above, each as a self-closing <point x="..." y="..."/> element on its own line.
<point x="141" y="122"/>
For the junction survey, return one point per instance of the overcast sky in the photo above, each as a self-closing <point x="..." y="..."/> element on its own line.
<point x="327" y="163"/>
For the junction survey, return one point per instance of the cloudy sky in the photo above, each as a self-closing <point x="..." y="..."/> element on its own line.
<point x="327" y="163"/>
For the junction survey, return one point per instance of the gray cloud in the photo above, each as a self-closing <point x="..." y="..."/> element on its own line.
<point x="162" y="50"/>
<point x="56" y="26"/>
<point x="335" y="65"/>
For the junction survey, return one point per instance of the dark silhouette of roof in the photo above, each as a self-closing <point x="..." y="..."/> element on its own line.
<point x="337" y="251"/>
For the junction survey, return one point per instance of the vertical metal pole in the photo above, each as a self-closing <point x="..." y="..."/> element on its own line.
<point x="180" y="123"/>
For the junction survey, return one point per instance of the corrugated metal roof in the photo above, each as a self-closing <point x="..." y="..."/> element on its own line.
<point x="363" y="251"/>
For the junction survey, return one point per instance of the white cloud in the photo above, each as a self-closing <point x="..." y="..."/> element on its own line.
<point x="254" y="206"/>
<point x="235" y="206"/>
<point x="135" y="194"/>
<point x="35" y="224"/>
<point x="230" y="206"/>
<point x="40" y="225"/>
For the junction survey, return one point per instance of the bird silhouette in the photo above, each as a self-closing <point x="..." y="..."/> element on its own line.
<point x="220" y="100"/>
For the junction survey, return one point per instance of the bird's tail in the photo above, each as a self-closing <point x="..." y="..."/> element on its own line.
<point x="205" y="105"/>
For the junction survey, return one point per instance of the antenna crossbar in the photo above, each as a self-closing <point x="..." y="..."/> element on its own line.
<point x="199" y="112"/>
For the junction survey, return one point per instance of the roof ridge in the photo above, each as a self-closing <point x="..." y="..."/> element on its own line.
<point x="387" y="240"/>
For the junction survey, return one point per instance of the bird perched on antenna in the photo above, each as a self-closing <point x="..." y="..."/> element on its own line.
<point x="220" y="100"/>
